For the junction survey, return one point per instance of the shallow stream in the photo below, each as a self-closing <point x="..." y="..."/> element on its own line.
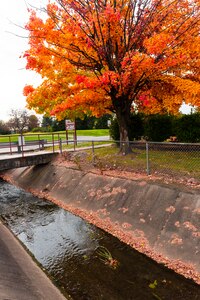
<point x="84" y="261"/>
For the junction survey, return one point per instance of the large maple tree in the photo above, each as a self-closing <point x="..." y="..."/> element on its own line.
<point x="97" y="56"/>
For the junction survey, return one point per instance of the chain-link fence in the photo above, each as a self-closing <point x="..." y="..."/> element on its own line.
<point x="166" y="159"/>
<point x="176" y="159"/>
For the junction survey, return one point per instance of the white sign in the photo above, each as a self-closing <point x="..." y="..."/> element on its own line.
<point x="69" y="125"/>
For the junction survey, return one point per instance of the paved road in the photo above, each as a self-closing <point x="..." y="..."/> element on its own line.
<point x="20" y="277"/>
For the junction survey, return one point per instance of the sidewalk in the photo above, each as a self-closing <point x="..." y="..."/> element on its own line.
<point x="20" y="277"/>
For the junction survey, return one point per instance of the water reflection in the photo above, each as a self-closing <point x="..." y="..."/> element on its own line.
<point x="52" y="239"/>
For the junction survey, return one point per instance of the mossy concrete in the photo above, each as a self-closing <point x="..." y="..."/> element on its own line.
<point x="167" y="217"/>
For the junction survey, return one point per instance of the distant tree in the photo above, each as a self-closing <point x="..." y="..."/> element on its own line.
<point x="196" y="109"/>
<point x="19" y="120"/>
<point x="47" y="122"/>
<point x="58" y="125"/>
<point x="86" y="122"/>
<point x="4" y="129"/>
<point x="102" y="122"/>
<point x="33" y="122"/>
<point x="91" y="122"/>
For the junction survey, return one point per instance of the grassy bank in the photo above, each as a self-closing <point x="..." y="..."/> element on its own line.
<point x="178" y="164"/>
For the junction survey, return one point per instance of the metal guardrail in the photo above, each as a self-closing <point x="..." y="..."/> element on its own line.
<point x="21" y="144"/>
<point x="35" y="142"/>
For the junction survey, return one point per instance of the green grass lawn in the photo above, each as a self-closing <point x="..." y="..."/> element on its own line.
<point x="93" y="132"/>
<point x="176" y="164"/>
<point x="48" y="135"/>
<point x="179" y="161"/>
<point x="164" y="162"/>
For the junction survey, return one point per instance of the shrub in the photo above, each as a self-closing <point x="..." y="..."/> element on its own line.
<point x="114" y="129"/>
<point x="42" y="129"/>
<point x="158" y="127"/>
<point x="136" y="130"/>
<point x="187" y="128"/>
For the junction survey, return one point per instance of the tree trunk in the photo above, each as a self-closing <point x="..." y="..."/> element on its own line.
<point x="123" y="119"/>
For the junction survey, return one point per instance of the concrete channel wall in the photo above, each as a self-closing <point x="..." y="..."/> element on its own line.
<point x="23" y="161"/>
<point x="158" y="220"/>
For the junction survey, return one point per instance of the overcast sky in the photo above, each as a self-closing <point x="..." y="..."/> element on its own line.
<point x="13" y="75"/>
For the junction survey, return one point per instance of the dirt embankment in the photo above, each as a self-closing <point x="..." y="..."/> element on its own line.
<point x="158" y="220"/>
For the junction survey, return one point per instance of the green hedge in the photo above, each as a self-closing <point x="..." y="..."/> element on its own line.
<point x="187" y="128"/>
<point x="159" y="128"/>
<point x="136" y="129"/>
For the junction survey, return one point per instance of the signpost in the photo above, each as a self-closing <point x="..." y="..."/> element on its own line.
<point x="70" y="125"/>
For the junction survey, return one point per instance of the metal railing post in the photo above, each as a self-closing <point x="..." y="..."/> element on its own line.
<point x="10" y="145"/>
<point x="123" y="148"/>
<point x="22" y="145"/>
<point x="67" y="137"/>
<point x="147" y="159"/>
<point x="60" y="145"/>
<point x="53" y="143"/>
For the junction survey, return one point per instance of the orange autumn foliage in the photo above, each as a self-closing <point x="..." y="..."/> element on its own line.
<point x="115" y="55"/>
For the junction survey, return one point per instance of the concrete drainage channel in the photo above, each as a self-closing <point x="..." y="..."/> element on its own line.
<point x="160" y="221"/>
<point x="81" y="259"/>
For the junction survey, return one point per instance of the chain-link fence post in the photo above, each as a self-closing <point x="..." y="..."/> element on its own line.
<point x="147" y="159"/>
<point x="93" y="155"/>
<point x="75" y="145"/>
